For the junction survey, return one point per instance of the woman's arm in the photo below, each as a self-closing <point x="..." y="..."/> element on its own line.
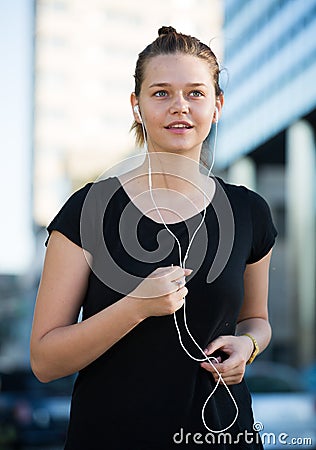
<point x="254" y="316"/>
<point x="61" y="346"/>
<point x="253" y="319"/>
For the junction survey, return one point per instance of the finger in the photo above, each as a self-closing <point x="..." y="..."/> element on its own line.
<point x="181" y="294"/>
<point x="187" y="272"/>
<point x="230" y="376"/>
<point x="215" y="345"/>
<point x="233" y="379"/>
<point x="177" y="272"/>
<point x="232" y="363"/>
<point x="179" y="301"/>
<point x="227" y="369"/>
<point x="179" y="283"/>
<point x="213" y="360"/>
<point x="210" y="367"/>
<point x="167" y="271"/>
<point x="223" y="343"/>
<point x="227" y="378"/>
<point x="234" y="374"/>
<point x="214" y="368"/>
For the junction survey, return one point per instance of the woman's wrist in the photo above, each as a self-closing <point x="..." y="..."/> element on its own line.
<point x="136" y="305"/>
<point x="248" y="345"/>
<point x="258" y="332"/>
<point x="255" y="350"/>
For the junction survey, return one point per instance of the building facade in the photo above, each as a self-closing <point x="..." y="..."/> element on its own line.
<point x="267" y="140"/>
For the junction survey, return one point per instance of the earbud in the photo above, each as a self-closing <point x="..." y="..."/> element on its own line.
<point x="216" y="114"/>
<point x="136" y="111"/>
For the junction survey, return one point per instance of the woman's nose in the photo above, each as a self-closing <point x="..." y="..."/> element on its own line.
<point x="179" y="105"/>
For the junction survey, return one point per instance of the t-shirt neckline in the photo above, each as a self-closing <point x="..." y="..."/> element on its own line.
<point x="169" y="224"/>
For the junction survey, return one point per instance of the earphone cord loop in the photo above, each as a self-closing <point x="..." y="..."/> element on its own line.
<point x="182" y="264"/>
<point x="214" y="150"/>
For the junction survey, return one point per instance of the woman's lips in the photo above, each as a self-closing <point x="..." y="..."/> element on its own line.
<point x="179" y="126"/>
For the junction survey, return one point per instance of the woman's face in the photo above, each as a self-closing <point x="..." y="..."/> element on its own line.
<point x="177" y="102"/>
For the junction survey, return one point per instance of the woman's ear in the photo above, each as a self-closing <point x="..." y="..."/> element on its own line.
<point x="134" y="103"/>
<point x="218" y="105"/>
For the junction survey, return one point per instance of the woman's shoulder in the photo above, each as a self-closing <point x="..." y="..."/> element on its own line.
<point x="241" y="194"/>
<point x="252" y="209"/>
<point x="82" y="208"/>
<point x="95" y="189"/>
<point x="231" y="187"/>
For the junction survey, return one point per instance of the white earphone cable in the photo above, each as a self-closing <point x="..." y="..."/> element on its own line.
<point x="206" y="357"/>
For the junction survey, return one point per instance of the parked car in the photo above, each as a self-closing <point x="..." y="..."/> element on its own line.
<point x="33" y="413"/>
<point x="284" y="409"/>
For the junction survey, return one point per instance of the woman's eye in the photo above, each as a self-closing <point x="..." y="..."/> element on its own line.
<point x="196" y="94"/>
<point x="161" y="94"/>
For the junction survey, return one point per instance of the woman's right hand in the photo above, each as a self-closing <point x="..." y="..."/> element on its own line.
<point x="162" y="292"/>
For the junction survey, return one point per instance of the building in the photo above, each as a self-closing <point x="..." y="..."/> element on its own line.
<point x="267" y="140"/>
<point x="16" y="225"/>
<point x="16" y="49"/>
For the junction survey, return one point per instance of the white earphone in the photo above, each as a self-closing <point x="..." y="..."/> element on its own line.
<point x="216" y="114"/>
<point x="136" y="111"/>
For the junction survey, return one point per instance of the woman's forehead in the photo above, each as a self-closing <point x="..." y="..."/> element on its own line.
<point x="177" y="67"/>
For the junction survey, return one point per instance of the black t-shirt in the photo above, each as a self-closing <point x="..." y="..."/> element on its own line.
<point x="145" y="393"/>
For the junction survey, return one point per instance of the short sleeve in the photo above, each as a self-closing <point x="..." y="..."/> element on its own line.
<point x="68" y="219"/>
<point x="263" y="230"/>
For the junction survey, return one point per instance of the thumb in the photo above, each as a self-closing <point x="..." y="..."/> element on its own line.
<point x="187" y="272"/>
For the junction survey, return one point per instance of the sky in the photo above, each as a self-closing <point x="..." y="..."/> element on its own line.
<point x="16" y="47"/>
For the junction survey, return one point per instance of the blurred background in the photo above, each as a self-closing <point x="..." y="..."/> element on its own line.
<point x="66" y="73"/>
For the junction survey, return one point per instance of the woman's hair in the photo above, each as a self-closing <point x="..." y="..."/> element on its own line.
<point x="169" y="41"/>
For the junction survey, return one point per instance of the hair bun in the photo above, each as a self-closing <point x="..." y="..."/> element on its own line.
<point x="166" y="30"/>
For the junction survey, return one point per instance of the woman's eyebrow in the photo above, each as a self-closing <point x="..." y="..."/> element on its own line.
<point x="165" y="84"/>
<point x="160" y="85"/>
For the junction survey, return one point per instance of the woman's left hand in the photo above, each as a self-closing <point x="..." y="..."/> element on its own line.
<point x="238" y="350"/>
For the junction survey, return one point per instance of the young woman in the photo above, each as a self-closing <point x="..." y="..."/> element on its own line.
<point x="170" y="265"/>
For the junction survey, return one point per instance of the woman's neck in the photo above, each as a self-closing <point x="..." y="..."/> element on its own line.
<point x="179" y="188"/>
<point x="173" y="171"/>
